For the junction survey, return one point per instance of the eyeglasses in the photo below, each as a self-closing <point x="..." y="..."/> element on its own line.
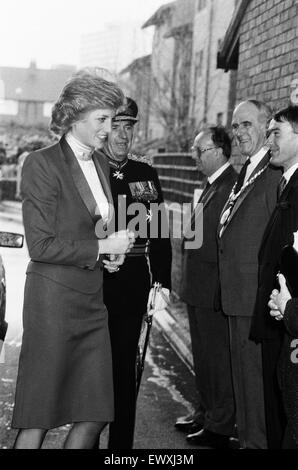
<point x="199" y="151"/>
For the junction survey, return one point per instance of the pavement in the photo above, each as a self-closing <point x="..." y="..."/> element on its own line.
<point x="172" y="323"/>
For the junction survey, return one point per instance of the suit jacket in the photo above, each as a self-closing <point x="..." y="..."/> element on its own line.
<point x="241" y="239"/>
<point x="279" y="232"/>
<point x="200" y="267"/>
<point x="59" y="213"/>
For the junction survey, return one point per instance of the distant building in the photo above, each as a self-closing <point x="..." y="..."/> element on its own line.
<point x="182" y="32"/>
<point x="114" y="47"/>
<point x="210" y="86"/>
<point x="162" y="70"/>
<point x="135" y="79"/>
<point x="27" y="94"/>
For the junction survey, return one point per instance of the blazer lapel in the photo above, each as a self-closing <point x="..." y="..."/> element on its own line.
<point x="279" y="206"/>
<point x="245" y="193"/>
<point x="80" y="181"/>
<point x="203" y="203"/>
<point x="103" y="171"/>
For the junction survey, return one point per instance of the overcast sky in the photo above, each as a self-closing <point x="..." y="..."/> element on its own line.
<point x="48" y="31"/>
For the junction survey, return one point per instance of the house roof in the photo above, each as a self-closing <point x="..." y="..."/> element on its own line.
<point x="159" y="15"/>
<point x="32" y="84"/>
<point x="228" y="53"/>
<point x="137" y="64"/>
<point x="182" y="18"/>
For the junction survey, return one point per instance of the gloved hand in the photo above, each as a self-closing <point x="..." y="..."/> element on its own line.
<point x="161" y="301"/>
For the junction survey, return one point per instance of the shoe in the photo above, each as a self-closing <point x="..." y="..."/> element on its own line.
<point x="188" y="425"/>
<point x="205" y="438"/>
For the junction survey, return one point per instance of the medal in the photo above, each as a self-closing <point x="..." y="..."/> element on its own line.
<point x="118" y="175"/>
<point x="149" y="215"/>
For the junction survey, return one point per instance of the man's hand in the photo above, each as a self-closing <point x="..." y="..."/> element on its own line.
<point x="161" y="301"/>
<point x="118" y="243"/>
<point x="112" y="264"/>
<point x="278" y="299"/>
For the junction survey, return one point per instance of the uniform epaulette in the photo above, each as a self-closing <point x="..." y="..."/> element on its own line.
<point x="140" y="158"/>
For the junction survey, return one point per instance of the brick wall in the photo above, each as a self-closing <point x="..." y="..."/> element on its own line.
<point x="268" y="57"/>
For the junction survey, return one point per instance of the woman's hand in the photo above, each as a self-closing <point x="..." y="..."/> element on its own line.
<point x="118" y="243"/>
<point x="278" y="299"/>
<point x="112" y="264"/>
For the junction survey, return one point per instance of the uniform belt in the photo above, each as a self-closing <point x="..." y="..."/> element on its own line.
<point x="139" y="250"/>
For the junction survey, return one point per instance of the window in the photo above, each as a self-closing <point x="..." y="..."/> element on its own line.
<point x="47" y="109"/>
<point x="201" y="4"/>
<point x="9" y="108"/>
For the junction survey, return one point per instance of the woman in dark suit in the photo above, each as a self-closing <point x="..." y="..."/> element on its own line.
<point x="65" y="369"/>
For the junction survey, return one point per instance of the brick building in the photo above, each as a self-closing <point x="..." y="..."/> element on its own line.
<point x="261" y="43"/>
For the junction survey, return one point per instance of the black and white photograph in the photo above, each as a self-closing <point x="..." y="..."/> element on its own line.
<point x="149" y="227"/>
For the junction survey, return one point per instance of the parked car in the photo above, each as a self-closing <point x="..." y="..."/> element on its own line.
<point x="7" y="240"/>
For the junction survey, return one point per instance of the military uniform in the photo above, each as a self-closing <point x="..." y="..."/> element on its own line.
<point x="126" y="291"/>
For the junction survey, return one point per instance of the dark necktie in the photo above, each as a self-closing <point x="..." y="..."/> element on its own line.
<point x="241" y="176"/>
<point x="281" y="186"/>
<point x="204" y="191"/>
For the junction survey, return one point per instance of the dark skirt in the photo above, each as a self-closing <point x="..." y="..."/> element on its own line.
<point x="65" y="367"/>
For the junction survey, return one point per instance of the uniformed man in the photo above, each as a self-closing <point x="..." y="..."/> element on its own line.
<point x="126" y="290"/>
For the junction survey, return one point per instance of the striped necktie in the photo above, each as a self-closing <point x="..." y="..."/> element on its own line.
<point x="281" y="186"/>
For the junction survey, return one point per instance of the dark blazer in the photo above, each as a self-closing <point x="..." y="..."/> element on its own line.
<point x="279" y="232"/>
<point x="200" y="268"/>
<point x="59" y="214"/>
<point x="241" y="239"/>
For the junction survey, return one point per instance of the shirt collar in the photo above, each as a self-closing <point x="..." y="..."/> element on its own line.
<point x="81" y="151"/>
<point x="289" y="173"/>
<point x="255" y="159"/>
<point x="218" y="172"/>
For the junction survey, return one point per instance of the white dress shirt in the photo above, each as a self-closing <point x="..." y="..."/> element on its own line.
<point x="90" y="173"/>
<point x="289" y="173"/>
<point x="218" y="172"/>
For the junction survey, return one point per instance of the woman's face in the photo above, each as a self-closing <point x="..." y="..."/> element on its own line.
<point x="93" y="128"/>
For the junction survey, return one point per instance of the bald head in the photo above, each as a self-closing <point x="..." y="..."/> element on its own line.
<point x="249" y="124"/>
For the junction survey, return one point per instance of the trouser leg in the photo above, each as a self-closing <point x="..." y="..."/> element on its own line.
<point x="124" y="332"/>
<point x="274" y="411"/>
<point x="247" y="372"/>
<point x="210" y="339"/>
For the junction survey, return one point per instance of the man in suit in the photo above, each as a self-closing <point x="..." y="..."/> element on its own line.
<point x="241" y="229"/>
<point x="283" y="142"/>
<point x="209" y="328"/>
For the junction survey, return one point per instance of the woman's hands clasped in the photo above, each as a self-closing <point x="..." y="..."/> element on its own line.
<point x="116" y="246"/>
